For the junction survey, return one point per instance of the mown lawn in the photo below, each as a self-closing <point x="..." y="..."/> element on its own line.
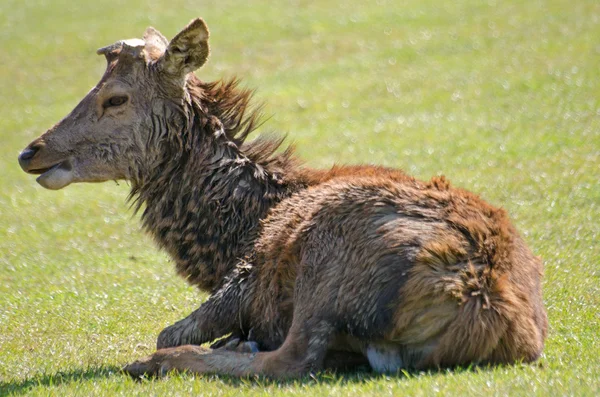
<point x="503" y="97"/>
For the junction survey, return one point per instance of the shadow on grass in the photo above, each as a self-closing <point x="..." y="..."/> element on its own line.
<point x="25" y="386"/>
<point x="339" y="377"/>
<point x="21" y="387"/>
<point x="59" y="378"/>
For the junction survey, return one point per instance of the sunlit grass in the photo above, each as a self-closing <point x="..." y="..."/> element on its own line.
<point x="503" y="97"/>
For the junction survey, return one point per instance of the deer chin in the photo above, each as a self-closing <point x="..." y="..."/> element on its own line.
<point x="57" y="176"/>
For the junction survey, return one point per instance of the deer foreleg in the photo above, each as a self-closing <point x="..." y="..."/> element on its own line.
<point x="304" y="350"/>
<point x="218" y="316"/>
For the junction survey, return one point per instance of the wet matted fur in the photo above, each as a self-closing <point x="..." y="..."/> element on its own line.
<point x="305" y="268"/>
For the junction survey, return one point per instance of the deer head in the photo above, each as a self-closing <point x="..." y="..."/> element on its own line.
<point x="117" y="127"/>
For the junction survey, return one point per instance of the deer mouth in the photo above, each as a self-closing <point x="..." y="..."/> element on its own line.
<point x="41" y="171"/>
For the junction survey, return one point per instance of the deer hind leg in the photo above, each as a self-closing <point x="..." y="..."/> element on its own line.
<point x="304" y="350"/>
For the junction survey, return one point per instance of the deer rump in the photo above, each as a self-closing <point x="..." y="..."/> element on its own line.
<point x="307" y="269"/>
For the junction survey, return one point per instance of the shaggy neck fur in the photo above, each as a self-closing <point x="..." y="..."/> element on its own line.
<point x="208" y="190"/>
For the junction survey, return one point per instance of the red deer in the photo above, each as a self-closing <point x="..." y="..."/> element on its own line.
<point x="306" y="269"/>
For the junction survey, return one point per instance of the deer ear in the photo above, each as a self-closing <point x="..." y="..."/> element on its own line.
<point x="156" y="43"/>
<point x="187" y="51"/>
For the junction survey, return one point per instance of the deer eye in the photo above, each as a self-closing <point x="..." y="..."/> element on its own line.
<point x="115" y="101"/>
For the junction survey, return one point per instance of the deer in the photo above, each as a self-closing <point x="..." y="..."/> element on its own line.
<point x="306" y="269"/>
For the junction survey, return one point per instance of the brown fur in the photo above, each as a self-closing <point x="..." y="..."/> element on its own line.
<point x="313" y="267"/>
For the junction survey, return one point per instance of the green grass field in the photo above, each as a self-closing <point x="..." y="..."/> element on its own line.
<point x="503" y="97"/>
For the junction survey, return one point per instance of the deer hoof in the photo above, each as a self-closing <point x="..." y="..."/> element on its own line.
<point x="145" y="367"/>
<point x="241" y="347"/>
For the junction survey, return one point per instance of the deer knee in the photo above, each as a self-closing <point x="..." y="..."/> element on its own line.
<point x="303" y="351"/>
<point x="183" y="332"/>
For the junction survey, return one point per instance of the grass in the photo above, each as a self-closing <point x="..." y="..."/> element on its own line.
<point x="502" y="97"/>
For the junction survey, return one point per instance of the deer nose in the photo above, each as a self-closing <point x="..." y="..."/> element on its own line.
<point x="27" y="154"/>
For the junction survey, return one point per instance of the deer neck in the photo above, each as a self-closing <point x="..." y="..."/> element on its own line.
<point x="205" y="210"/>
